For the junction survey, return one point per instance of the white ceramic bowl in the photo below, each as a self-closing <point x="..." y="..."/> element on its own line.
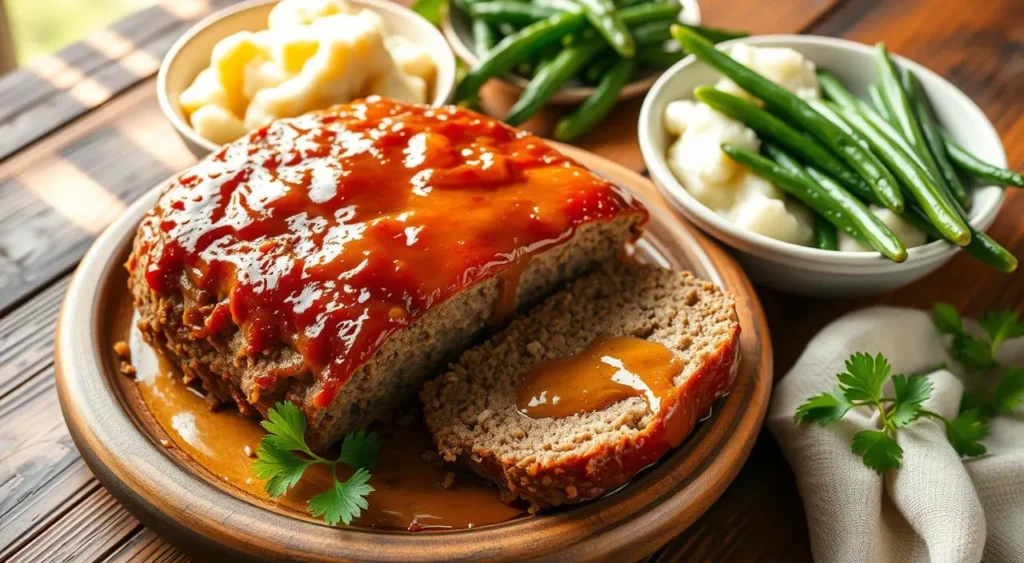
<point x="191" y="54"/>
<point x="799" y="269"/>
<point x="456" y="27"/>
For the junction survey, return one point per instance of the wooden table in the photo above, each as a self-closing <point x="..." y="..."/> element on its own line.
<point x="81" y="136"/>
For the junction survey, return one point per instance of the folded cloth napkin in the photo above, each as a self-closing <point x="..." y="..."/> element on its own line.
<point x="937" y="507"/>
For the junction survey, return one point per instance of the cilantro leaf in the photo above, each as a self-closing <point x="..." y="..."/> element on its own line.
<point x="1002" y="325"/>
<point x="825" y="408"/>
<point x="344" y="501"/>
<point x="281" y="468"/>
<point x="286" y="425"/>
<point x="1009" y="393"/>
<point x="879" y="450"/>
<point x="910" y="393"/>
<point x="360" y="449"/>
<point x="972" y="353"/>
<point x="965" y="433"/>
<point x="864" y="377"/>
<point x="946" y="319"/>
<point x="976" y="401"/>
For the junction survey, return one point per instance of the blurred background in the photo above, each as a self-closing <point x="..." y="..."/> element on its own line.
<point x="29" y="28"/>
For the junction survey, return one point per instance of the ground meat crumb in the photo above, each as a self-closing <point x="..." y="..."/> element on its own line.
<point x="449" y="480"/>
<point x="127" y="369"/>
<point x="122" y="350"/>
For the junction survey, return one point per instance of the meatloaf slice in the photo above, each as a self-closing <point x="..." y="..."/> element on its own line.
<point x="400" y="366"/>
<point x="472" y="413"/>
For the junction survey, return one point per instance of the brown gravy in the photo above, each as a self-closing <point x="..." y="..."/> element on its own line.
<point x="409" y="492"/>
<point x="607" y="371"/>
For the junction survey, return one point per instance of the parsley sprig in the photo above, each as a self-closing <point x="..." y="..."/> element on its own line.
<point x="864" y="382"/>
<point x="283" y="456"/>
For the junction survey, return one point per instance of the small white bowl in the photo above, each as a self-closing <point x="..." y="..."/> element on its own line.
<point x="800" y="269"/>
<point x="457" y="29"/>
<point x="190" y="54"/>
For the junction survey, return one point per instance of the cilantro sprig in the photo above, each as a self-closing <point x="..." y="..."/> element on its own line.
<point x="863" y="384"/>
<point x="283" y="456"/>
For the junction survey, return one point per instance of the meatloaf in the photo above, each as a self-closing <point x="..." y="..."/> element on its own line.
<point x="474" y="417"/>
<point x="336" y="260"/>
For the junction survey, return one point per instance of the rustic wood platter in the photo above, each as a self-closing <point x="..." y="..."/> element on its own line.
<point x="171" y="492"/>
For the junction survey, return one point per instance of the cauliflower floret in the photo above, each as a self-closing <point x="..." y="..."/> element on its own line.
<point x="401" y="86"/>
<point x="678" y="115"/>
<point x="779" y="219"/>
<point x="410" y="58"/>
<point x="699" y="157"/>
<point x="784" y="66"/>
<point x="909" y="235"/>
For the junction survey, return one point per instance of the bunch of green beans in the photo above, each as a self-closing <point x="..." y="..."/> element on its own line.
<point x="836" y="156"/>
<point x="554" y="43"/>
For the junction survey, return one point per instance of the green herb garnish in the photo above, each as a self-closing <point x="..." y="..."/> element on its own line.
<point x="863" y="384"/>
<point x="283" y="456"/>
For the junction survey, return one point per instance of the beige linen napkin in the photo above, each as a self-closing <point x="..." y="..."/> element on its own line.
<point x="935" y="508"/>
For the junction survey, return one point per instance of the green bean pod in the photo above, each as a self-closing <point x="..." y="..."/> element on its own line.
<point x="715" y="35"/>
<point x="657" y="56"/>
<point x="518" y="14"/>
<point x="942" y="212"/>
<point x="651" y="33"/>
<point x="978" y="168"/>
<point x="782" y="101"/>
<point x="551" y="76"/>
<point x="515" y="48"/>
<point x="596" y="70"/>
<point x="933" y="139"/>
<point x="484" y="37"/>
<point x="825" y="235"/>
<point x="802" y="187"/>
<point x="607" y="19"/>
<point x="878" y="102"/>
<point x="768" y="126"/>
<point x="835" y="91"/>
<point x="597" y="106"/>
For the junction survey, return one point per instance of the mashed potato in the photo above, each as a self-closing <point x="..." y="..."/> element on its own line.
<point x="313" y="54"/>
<point x="696" y="159"/>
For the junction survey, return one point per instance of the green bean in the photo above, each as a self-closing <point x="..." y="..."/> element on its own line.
<point x="878" y="102"/>
<point x="825" y="234"/>
<point x="986" y="249"/>
<point x="942" y="212"/>
<point x="657" y="56"/>
<point x="835" y="91"/>
<point x="898" y="102"/>
<point x="483" y="37"/>
<point x="980" y="169"/>
<point x="768" y="126"/>
<point x="515" y="48"/>
<point x="651" y="33"/>
<point x="597" y="106"/>
<point x="603" y="62"/>
<point x="933" y="139"/>
<point x="715" y="35"/>
<point x="817" y="198"/>
<point x="515" y="13"/>
<point x="782" y="101"/>
<point x="551" y="77"/>
<point x="603" y="15"/>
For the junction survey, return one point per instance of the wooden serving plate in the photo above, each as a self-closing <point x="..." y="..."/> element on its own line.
<point x="171" y="493"/>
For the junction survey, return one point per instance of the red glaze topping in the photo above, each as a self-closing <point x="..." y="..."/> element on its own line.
<point x="333" y="230"/>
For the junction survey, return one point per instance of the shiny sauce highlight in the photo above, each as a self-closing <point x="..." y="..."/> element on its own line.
<point x="607" y="371"/>
<point x="331" y="231"/>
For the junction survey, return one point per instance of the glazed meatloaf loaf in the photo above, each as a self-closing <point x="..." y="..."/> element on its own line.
<point x="666" y="324"/>
<point x="334" y="260"/>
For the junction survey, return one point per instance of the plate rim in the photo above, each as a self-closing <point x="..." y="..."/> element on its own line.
<point x="140" y="475"/>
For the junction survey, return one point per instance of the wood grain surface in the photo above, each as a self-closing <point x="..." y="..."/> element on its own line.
<point x="81" y="137"/>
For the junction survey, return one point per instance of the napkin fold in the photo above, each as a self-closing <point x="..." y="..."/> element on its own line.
<point x="937" y="507"/>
